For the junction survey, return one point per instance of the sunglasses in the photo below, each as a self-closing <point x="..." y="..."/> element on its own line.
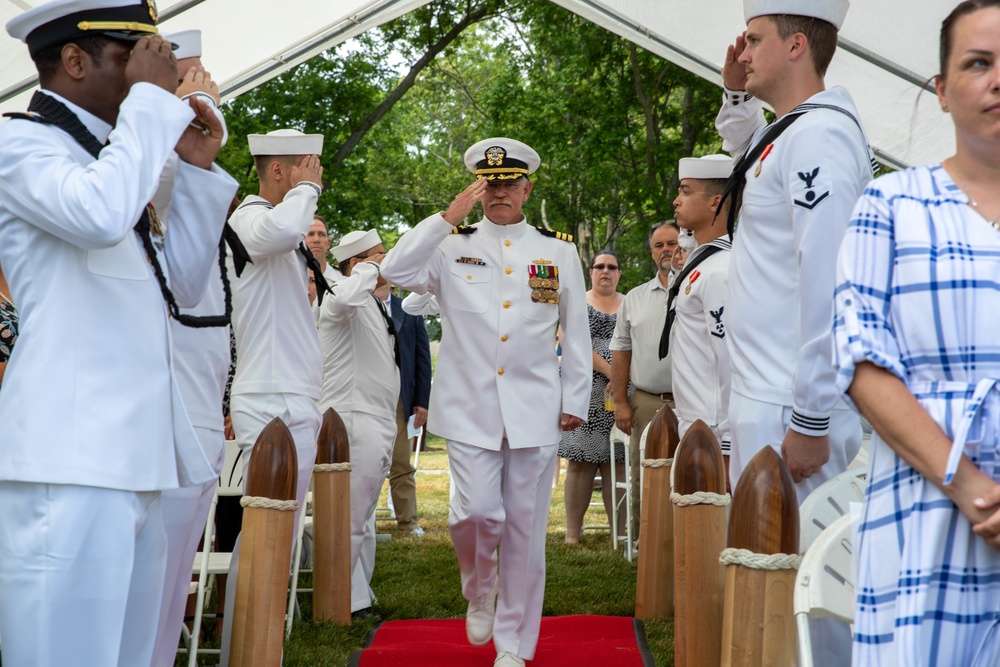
<point x="601" y="267"/>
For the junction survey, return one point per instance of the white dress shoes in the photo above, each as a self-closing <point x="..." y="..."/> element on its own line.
<point x="479" y="617"/>
<point x="507" y="659"/>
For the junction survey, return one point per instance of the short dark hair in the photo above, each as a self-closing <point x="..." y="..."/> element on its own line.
<point x="317" y="216"/>
<point x="657" y="225"/>
<point x="609" y="252"/>
<point x="821" y="35"/>
<point x="261" y="162"/>
<point x="47" y="60"/>
<point x="948" y="25"/>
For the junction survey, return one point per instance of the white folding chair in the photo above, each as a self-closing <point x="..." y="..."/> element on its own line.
<point x="824" y="586"/>
<point x="619" y="439"/>
<point x="828" y="502"/>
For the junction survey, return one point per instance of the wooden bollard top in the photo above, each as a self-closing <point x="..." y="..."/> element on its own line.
<point x="332" y="445"/>
<point x="274" y="468"/>
<point x="765" y="507"/>
<point x="698" y="463"/>
<point x="662" y="438"/>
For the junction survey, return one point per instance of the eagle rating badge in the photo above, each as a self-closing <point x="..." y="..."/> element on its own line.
<point x="544" y="283"/>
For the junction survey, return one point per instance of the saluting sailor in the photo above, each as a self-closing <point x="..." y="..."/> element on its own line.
<point x="94" y="427"/>
<point x="498" y="399"/>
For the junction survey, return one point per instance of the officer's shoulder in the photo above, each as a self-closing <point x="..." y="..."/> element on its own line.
<point x="553" y="234"/>
<point x="464" y="229"/>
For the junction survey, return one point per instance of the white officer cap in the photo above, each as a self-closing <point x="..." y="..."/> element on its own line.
<point x="705" y="167"/>
<point x="187" y="43"/>
<point x="831" y="11"/>
<point x="62" y="21"/>
<point x="501" y="159"/>
<point x="285" y="142"/>
<point x="355" y="243"/>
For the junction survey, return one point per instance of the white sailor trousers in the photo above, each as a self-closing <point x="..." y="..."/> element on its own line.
<point x="371" y="439"/>
<point x="81" y="575"/>
<point x="185" y="511"/>
<point x="501" y="499"/>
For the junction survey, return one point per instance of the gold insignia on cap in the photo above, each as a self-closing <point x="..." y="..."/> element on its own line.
<point x="153" y="14"/>
<point x="495" y="156"/>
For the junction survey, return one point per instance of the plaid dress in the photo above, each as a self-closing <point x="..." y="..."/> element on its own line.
<point x="919" y="294"/>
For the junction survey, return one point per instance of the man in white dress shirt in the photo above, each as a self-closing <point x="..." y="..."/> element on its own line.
<point x="95" y="429"/>
<point x="498" y="398"/>
<point x="279" y="363"/>
<point x="361" y="382"/>
<point x="699" y="357"/>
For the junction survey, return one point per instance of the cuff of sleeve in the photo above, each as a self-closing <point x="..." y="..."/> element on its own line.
<point x="726" y="447"/>
<point x="314" y="186"/>
<point x="812" y="426"/>
<point x="735" y="98"/>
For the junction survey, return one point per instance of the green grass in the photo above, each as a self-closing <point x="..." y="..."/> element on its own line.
<point x="419" y="578"/>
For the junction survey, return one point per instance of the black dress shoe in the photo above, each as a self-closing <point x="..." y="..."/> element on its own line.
<point x="367" y="613"/>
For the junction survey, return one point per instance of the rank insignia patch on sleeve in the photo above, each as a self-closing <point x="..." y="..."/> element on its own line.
<point x="812" y="186"/>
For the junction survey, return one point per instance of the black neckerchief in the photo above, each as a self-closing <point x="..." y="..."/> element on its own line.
<point x="390" y="327"/>
<point x="675" y="290"/>
<point x="50" y="111"/>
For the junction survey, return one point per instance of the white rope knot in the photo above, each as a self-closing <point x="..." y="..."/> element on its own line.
<point x="754" y="561"/>
<point x="332" y="467"/>
<point x="269" y="503"/>
<point x="657" y="463"/>
<point x="700" y="498"/>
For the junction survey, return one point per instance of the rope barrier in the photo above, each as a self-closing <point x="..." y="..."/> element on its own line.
<point x="332" y="467"/>
<point x="657" y="463"/>
<point x="269" y="503"/>
<point x="749" y="559"/>
<point x="700" y="498"/>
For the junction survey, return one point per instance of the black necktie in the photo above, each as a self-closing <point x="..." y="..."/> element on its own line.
<point x="390" y="327"/>
<point x="322" y="287"/>
<point x="674" y="290"/>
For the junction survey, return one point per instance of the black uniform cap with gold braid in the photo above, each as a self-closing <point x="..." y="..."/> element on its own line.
<point x="62" y="21"/>
<point x="501" y="159"/>
<point x="562" y="236"/>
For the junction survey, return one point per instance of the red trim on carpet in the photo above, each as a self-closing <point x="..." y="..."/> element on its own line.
<point x="608" y="641"/>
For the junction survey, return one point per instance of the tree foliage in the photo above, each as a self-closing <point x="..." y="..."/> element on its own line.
<point x="399" y="106"/>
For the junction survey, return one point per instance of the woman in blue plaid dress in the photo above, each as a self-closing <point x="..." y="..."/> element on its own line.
<point x="917" y="331"/>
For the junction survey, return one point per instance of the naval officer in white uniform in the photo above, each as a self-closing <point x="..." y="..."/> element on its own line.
<point x="698" y="333"/>
<point x="797" y="202"/>
<point x="361" y="382"/>
<point x="93" y="423"/>
<point x="498" y="398"/>
<point x="279" y="364"/>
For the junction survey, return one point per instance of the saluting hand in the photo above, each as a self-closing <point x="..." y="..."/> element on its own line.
<point x="197" y="80"/>
<point x="202" y="139"/>
<point x="734" y="73"/>
<point x="463" y="204"/>
<point x="152" y="61"/>
<point x="308" y="169"/>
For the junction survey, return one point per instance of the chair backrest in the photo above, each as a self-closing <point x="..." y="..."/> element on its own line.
<point x="830" y="501"/>
<point x="231" y="479"/>
<point x="824" y="585"/>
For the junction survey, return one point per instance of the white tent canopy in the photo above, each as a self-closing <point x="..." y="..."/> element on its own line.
<point x="888" y="50"/>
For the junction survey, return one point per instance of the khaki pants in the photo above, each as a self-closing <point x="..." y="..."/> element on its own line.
<point x="402" y="476"/>
<point x="644" y="408"/>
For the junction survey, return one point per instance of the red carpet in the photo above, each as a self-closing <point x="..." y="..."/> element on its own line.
<point x="575" y="641"/>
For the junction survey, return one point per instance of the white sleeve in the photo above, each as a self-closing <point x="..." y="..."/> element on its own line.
<point x="825" y="174"/>
<point x="269" y="232"/>
<point x="94" y="205"/>
<point x="411" y="263"/>
<point x="351" y="293"/>
<point x="421" y="304"/>
<point x="739" y="119"/>
<point x="198" y="204"/>
<point x="714" y="300"/>
<point x="577" y="350"/>
<point x="210" y="101"/>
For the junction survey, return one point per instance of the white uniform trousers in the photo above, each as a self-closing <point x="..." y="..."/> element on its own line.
<point x="501" y="499"/>
<point x="371" y="439"/>
<point x="185" y="511"/>
<point x="251" y="413"/>
<point x="754" y="425"/>
<point x="81" y="575"/>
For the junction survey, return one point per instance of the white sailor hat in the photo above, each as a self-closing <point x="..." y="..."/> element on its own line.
<point x="187" y="43"/>
<point x="831" y="11"/>
<point x="285" y="142"/>
<point x="705" y="167"/>
<point x="62" y="21"/>
<point x="355" y="243"/>
<point x="501" y="159"/>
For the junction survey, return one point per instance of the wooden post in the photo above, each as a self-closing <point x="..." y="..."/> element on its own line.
<point x="699" y="537"/>
<point x="654" y="591"/>
<point x="758" y="620"/>
<point x="265" y="550"/>
<point x="332" y="523"/>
